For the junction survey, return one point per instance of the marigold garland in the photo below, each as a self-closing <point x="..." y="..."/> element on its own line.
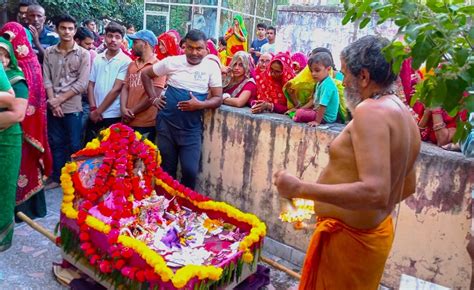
<point x="118" y="139"/>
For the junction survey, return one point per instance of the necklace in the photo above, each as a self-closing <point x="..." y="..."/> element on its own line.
<point x="378" y="95"/>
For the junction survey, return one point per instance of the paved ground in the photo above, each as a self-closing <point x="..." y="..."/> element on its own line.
<point x="28" y="263"/>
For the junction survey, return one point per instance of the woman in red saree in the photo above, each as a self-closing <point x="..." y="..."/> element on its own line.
<point x="167" y="46"/>
<point x="36" y="162"/>
<point x="270" y="96"/>
<point x="240" y="89"/>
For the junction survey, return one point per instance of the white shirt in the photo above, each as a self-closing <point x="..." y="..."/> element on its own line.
<point x="267" y="47"/>
<point x="104" y="73"/>
<point x="183" y="75"/>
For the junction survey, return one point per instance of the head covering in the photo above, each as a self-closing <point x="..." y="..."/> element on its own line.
<point x="145" y="35"/>
<point x="169" y="41"/>
<point x="17" y="37"/>
<point x="243" y="29"/>
<point x="212" y="47"/>
<point x="13" y="72"/>
<point x="269" y="90"/>
<point x="300" y="58"/>
<point x="176" y="36"/>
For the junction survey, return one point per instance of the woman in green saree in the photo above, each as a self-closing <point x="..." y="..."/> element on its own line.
<point x="12" y="112"/>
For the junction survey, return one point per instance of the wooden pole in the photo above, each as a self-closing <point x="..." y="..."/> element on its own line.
<point x="39" y="228"/>
<point x="281" y="267"/>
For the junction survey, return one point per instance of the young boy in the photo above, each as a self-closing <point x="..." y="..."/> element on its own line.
<point x="66" y="69"/>
<point x="105" y="82"/>
<point x="324" y="106"/>
<point x="259" y="42"/>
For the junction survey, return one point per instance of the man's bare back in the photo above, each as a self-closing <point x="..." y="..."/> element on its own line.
<point x="404" y="145"/>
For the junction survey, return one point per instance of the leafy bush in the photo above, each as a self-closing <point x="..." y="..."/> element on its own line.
<point x="123" y="12"/>
<point x="439" y="34"/>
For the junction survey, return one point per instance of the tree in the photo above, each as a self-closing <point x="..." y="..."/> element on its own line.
<point x="437" y="33"/>
<point x="121" y="11"/>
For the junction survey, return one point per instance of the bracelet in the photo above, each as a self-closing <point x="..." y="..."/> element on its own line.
<point x="439" y="126"/>
<point x="92" y="109"/>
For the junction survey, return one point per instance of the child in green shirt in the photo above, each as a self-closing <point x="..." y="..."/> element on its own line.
<point x="324" y="105"/>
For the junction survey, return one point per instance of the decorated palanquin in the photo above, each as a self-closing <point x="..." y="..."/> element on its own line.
<point x="138" y="228"/>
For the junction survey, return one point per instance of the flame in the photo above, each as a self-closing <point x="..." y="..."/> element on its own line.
<point x="302" y="210"/>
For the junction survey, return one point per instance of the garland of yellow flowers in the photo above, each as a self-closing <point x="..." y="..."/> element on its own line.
<point x="156" y="261"/>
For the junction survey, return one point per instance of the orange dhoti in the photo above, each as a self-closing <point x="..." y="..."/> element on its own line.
<point x="342" y="257"/>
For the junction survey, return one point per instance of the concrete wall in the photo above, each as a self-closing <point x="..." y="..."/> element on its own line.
<point x="305" y="27"/>
<point x="241" y="152"/>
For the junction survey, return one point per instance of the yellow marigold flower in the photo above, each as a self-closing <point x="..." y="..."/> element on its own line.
<point x="247" y="257"/>
<point x="71" y="167"/>
<point x="215" y="273"/>
<point x="243" y="245"/>
<point x="68" y="198"/>
<point x="179" y="282"/>
<point x="68" y="191"/>
<point x="139" y="136"/>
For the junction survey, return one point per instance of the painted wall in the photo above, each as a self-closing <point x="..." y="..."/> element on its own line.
<point x="241" y="152"/>
<point x="305" y="27"/>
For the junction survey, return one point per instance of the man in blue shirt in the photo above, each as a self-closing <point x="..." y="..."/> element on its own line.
<point x="257" y="43"/>
<point x="194" y="84"/>
<point x="43" y="37"/>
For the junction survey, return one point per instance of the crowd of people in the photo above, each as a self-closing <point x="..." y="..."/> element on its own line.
<point x="64" y="85"/>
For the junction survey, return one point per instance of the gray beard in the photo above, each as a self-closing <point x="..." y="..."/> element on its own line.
<point x="352" y="96"/>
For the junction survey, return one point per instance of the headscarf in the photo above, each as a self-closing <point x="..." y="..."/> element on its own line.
<point x="176" y="36"/>
<point x="13" y="72"/>
<point x="212" y="47"/>
<point x="300" y="58"/>
<point x="269" y="90"/>
<point x="169" y="41"/>
<point x="243" y="29"/>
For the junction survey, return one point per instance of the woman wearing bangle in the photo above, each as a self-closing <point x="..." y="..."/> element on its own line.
<point x="240" y="88"/>
<point x="270" y="96"/>
<point x="436" y="126"/>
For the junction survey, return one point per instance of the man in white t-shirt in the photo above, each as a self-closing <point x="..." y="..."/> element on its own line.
<point x="105" y="82"/>
<point x="194" y="84"/>
<point x="270" y="46"/>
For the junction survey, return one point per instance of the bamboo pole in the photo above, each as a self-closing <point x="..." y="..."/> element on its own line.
<point x="39" y="228"/>
<point x="281" y="267"/>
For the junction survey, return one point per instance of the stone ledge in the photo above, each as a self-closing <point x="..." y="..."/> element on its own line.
<point x="427" y="149"/>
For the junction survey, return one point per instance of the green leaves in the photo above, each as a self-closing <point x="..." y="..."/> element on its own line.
<point x="436" y="32"/>
<point x="124" y="12"/>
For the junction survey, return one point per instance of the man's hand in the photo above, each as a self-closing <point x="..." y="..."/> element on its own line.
<point x="287" y="184"/>
<point x="34" y="33"/>
<point x="55" y="102"/>
<point x="192" y="105"/>
<point x="57" y="112"/>
<point x="127" y="114"/>
<point x="159" y="102"/>
<point x="95" y="116"/>
<point x="252" y="50"/>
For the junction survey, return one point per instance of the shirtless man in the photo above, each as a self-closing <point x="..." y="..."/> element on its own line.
<point x="370" y="170"/>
